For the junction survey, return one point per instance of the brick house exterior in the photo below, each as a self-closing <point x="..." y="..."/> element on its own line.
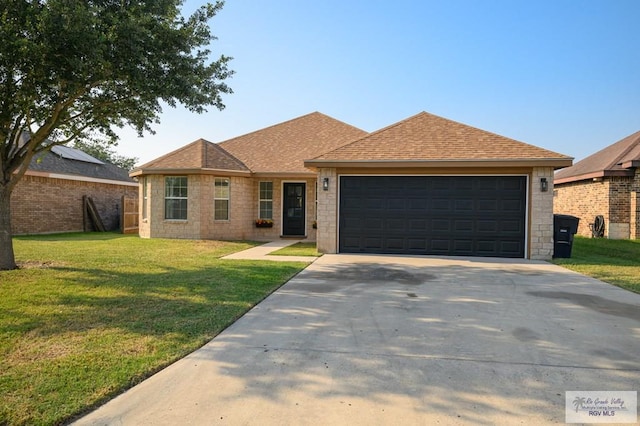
<point x="606" y="184"/>
<point x="428" y="145"/>
<point x="217" y="191"/>
<point x="272" y="156"/>
<point x="49" y="198"/>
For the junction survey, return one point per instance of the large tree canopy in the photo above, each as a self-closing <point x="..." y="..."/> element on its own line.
<point x="71" y="68"/>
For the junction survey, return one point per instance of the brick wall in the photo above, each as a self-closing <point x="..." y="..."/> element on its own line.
<point x="541" y="215"/>
<point x="634" y="205"/>
<point x="243" y="211"/>
<point x="610" y="197"/>
<point x="46" y="205"/>
<point x="327" y="236"/>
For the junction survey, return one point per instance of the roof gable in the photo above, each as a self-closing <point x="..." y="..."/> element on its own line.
<point x="429" y="138"/>
<point x="282" y="148"/>
<point x="614" y="160"/>
<point x="198" y="155"/>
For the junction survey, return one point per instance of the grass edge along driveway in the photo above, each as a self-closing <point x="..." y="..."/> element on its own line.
<point x="613" y="261"/>
<point x="90" y="315"/>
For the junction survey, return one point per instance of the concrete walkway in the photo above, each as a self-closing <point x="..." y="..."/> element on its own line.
<point x="389" y="340"/>
<point x="262" y="253"/>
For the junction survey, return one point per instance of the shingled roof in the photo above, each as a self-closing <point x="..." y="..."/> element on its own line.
<point x="51" y="164"/>
<point x="619" y="159"/>
<point x="282" y="148"/>
<point x="429" y="140"/>
<point x="200" y="156"/>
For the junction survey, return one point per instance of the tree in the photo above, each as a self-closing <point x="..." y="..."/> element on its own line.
<point x="71" y="68"/>
<point x="103" y="151"/>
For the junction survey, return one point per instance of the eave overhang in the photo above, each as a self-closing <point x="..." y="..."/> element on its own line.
<point x="594" y="175"/>
<point x="556" y="163"/>
<point x="187" y="171"/>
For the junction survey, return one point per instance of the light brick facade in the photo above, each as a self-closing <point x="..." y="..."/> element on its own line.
<point x="41" y="204"/>
<point x="614" y="197"/>
<point x="541" y="215"/>
<point x="243" y="209"/>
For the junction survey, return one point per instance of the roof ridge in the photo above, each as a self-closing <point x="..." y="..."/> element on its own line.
<point x="635" y="140"/>
<point x="162" y="157"/>
<point x="492" y="133"/>
<point x="449" y="121"/>
<point x="271" y="126"/>
<point x="218" y="148"/>
<point x="390" y="126"/>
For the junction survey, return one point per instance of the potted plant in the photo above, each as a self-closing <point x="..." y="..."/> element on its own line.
<point x="314" y="225"/>
<point x="264" y="223"/>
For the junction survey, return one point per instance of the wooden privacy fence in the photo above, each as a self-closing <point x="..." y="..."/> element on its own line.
<point x="129" y="215"/>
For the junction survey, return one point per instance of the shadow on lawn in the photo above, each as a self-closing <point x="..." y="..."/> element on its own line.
<point x="172" y="302"/>
<point x="460" y="344"/>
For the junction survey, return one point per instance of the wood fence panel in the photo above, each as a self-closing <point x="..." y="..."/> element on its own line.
<point x="129" y="215"/>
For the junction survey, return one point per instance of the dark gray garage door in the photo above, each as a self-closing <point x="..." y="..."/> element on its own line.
<point x="439" y="215"/>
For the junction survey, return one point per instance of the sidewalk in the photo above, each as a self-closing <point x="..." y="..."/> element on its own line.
<point x="262" y="253"/>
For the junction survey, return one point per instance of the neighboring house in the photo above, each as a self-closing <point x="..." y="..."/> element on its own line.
<point x="426" y="185"/>
<point x="606" y="184"/>
<point x="49" y="198"/>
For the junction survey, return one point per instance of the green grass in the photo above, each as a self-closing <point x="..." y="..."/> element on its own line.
<point x="90" y="315"/>
<point x="613" y="261"/>
<point x="298" y="249"/>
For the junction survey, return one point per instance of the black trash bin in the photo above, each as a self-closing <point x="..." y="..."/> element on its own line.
<point x="564" y="228"/>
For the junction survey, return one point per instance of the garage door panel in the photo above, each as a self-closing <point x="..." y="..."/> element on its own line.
<point x="439" y="204"/>
<point x="448" y="215"/>
<point x="463" y="247"/>
<point x="463" y="206"/>
<point x="513" y="226"/>
<point x="463" y="225"/>
<point x="441" y="225"/>
<point x="512" y="205"/>
<point x="487" y="205"/>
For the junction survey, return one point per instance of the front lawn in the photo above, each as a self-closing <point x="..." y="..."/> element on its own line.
<point x="90" y="315"/>
<point x="298" y="249"/>
<point x="613" y="261"/>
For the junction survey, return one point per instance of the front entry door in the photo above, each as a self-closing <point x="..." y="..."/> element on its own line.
<point x="293" y="211"/>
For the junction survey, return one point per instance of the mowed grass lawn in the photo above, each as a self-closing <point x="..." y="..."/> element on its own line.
<point x="613" y="261"/>
<point x="90" y="315"/>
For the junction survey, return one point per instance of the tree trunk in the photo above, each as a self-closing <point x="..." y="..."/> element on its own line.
<point x="7" y="258"/>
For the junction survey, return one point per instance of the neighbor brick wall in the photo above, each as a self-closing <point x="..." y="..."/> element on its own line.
<point x="610" y="197"/>
<point x="48" y="205"/>
<point x="634" y="207"/>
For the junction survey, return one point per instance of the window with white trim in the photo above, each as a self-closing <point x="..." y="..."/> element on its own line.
<point x="221" y="199"/>
<point x="175" y="197"/>
<point x="265" y="197"/>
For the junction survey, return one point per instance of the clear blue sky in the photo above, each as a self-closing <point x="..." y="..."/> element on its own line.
<point x="563" y="74"/>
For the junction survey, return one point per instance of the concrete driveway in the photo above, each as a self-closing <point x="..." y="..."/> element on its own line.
<point x="367" y="340"/>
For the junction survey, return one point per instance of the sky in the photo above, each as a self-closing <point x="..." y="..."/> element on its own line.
<point x="563" y="74"/>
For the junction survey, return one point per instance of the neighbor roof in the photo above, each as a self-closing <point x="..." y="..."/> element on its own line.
<point x="54" y="163"/>
<point x="618" y="159"/>
<point x="429" y="140"/>
<point x="282" y="148"/>
<point x="200" y="156"/>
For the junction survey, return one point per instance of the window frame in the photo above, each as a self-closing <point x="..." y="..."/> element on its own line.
<point x="182" y="198"/>
<point x="217" y="199"/>
<point x="145" y="197"/>
<point x="265" y="200"/>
